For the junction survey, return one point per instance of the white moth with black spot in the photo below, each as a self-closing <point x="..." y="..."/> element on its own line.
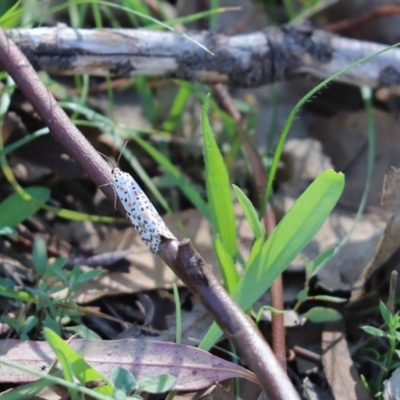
<point x="141" y="212"/>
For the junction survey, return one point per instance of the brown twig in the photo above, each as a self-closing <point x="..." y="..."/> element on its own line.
<point x="180" y="257"/>
<point x="276" y="289"/>
<point x="276" y="292"/>
<point x="355" y="22"/>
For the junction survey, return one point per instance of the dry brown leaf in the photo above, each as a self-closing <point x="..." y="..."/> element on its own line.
<point x="146" y="270"/>
<point x="194" y="369"/>
<point x="339" y="368"/>
<point x="389" y="242"/>
<point x="344" y="139"/>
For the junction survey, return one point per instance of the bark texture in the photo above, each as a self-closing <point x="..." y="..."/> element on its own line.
<point x="246" y="60"/>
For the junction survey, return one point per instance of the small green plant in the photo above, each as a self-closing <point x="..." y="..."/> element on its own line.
<point x="388" y="359"/>
<point x="50" y="278"/>
<point x="128" y="388"/>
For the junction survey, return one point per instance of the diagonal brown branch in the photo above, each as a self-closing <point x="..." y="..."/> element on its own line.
<point x="180" y="257"/>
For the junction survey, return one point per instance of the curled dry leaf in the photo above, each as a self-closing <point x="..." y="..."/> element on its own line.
<point x="389" y="242"/>
<point x="194" y="369"/>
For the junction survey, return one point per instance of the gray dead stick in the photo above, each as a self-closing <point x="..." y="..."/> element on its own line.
<point x="253" y="59"/>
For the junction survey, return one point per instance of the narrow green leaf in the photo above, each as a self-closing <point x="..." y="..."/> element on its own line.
<point x="319" y="262"/>
<point x="330" y="299"/>
<point x="371" y="330"/>
<point x="81" y="369"/>
<point x="255" y="250"/>
<point x="387" y="317"/>
<point x="50" y="379"/>
<point x="218" y="187"/>
<point x="67" y="370"/>
<point x="229" y="272"/>
<point x="322" y="314"/>
<point x="29" y="324"/>
<point x="250" y="212"/>
<point x="39" y="256"/>
<point x="12" y="16"/>
<point x="16" y="295"/>
<point x="180" y="180"/>
<point x="289" y="238"/>
<point x="14" y="209"/>
<point x="178" y="107"/>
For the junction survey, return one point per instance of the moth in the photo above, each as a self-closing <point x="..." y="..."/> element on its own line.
<point x="140" y="211"/>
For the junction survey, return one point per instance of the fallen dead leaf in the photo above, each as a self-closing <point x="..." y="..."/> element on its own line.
<point x="194" y="368"/>
<point x="146" y="270"/>
<point x="339" y="368"/>
<point x="389" y="242"/>
<point x="344" y="139"/>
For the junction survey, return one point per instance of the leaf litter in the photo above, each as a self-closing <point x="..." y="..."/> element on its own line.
<point x="337" y="141"/>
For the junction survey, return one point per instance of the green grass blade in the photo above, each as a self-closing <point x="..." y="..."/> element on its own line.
<point x="292" y="115"/>
<point x="289" y="238"/>
<point x="180" y="180"/>
<point x="12" y="16"/>
<point x="107" y="126"/>
<point x="250" y="212"/>
<point x="24" y="392"/>
<point x="229" y="272"/>
<point x="81" y="369"/>
<point x="178" y="107"/>
<point x="255" y="250"/>
<point x="218" y="187"/>
<point x="54" y="380"/>
<point x="21" y="142"/>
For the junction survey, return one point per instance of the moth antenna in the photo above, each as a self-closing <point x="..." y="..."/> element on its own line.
<point x="108" y="159"/>
<point x="122" y="150"/>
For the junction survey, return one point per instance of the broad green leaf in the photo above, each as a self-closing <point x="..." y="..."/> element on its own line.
<point x="229" y="272"/>
<point x="158" y="384"/>
<point x="218" y="187"/>
<point x="289" y="238"/>
<point x="124" y="380"/>
<point x="250" y="212"/>
<point x="81" y="369"/>
<point x="14" y="209"/>
<point x="303" y="294"/>
<point x="322" y="314"/>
